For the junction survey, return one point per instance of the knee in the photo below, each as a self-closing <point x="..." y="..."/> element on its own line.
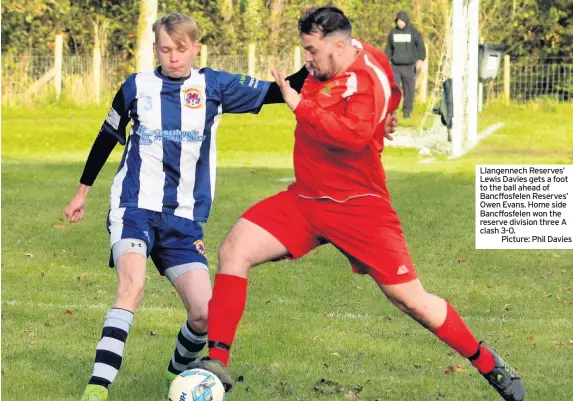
<point x="413" y="306"/>
<point x="198" y="319"/>
<point x="232" y="260"/>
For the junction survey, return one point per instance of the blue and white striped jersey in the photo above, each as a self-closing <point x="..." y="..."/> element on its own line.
<point x="169" y="162"/>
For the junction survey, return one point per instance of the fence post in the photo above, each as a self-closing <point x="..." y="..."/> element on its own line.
<point x="506" y="79"/>
<point x="58" y="64"/>
<point x="297" y="58"/>
<point x="204" y="51"/>
<point x="96" y="66"/>
<point x="251" y="69"/>
<point x="480" y="96"/>
<point x="423" y="89"/>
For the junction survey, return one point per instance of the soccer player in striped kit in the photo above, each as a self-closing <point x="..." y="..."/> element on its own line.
<point x="339" y="197"/>
<point x="164" y="187"/>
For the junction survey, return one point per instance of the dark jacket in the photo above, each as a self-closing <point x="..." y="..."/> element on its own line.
<point x="405" y="46"/>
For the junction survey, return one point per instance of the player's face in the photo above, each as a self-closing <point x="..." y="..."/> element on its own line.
<point x="176" y="58"/>
<point x="319" y="54"/>
<point x="401" y="24"/>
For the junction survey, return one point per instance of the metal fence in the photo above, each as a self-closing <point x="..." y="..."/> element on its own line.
<point x="20" y="75"/>
<point x="548" y="78"/>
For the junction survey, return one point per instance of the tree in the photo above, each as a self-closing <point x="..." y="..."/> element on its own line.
<point x="145" y="35"/>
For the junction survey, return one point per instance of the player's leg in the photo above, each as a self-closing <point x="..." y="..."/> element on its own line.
<point x="270" y="230"/>
<point x="375" y="245"/>
<point x="194" y="289"/>
<point x="179" y="254"/>
<point x="440" y="317"/>
<point x="129" y="253"/>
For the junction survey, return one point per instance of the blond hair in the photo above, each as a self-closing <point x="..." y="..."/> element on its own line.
<point x="177" y="25"/>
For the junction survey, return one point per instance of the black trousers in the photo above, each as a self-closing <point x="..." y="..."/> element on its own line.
<point x="405" y="77"/>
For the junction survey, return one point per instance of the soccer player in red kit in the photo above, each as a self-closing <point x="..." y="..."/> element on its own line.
<point x="339" y="197"/>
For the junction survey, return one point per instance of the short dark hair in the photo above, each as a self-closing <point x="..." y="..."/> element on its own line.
<point x="324" y="20"/>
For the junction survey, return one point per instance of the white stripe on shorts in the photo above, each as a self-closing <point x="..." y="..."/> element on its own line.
<point x="116" y="224"/>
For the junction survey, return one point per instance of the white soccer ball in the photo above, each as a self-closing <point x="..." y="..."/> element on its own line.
<point x="196" y="385"/>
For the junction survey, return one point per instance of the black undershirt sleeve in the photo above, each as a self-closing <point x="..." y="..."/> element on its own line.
<point x="296" y="81"/>
<point x="111" y="132"/>
<point x="101" y="149"/>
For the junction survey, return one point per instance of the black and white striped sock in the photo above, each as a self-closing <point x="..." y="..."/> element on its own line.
<point x="189" y="345"/>
<point x="109" y="350"/>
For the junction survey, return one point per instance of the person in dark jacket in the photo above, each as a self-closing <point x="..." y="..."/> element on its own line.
<point x="407" y="52"/>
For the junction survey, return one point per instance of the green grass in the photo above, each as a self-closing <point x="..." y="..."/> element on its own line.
<point x="306" y="320"/>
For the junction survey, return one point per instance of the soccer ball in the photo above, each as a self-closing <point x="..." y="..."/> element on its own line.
<point x="196" y="385"/>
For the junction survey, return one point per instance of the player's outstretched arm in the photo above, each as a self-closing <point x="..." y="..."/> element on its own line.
<point x="296" y="81"/>
<point x="111" y="132"/>
<point x="245" y="94"/>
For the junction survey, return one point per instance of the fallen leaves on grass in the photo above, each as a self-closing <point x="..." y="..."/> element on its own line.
<point x="60" y="227"/>
<point x="530" y="337"/>
<point x="69" y="312"/>
<point x="449" y="370"/>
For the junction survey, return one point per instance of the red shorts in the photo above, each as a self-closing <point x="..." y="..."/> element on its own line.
<point x="366" y="229"/>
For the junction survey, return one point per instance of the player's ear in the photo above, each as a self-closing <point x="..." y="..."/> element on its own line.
<point x="341" y="45"/>
<point x="196" y="47"/>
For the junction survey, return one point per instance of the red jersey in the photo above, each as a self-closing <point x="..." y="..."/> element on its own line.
<point x="340" y="130"/>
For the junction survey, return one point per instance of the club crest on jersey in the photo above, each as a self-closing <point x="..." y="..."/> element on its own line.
<point x="200" y="246"/>
<point x="328" y="88"/>
<point x="193" y="98"/>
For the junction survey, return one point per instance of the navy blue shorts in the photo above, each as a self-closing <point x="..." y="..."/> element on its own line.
<point x="171" y="240"/>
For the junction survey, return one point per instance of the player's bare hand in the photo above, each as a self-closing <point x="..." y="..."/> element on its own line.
<point x="419" y="65"/>
<point x="291" y="97"/>
<point x="390" y="125"/>
<point x="75" y="209"/>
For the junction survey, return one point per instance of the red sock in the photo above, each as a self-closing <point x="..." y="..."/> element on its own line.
<point x="226" y="309"/>
<point x="456" y="334"/>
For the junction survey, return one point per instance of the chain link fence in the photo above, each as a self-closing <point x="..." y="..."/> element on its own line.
<point x="22" y="75"/>
<point x="548" y="78"/>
